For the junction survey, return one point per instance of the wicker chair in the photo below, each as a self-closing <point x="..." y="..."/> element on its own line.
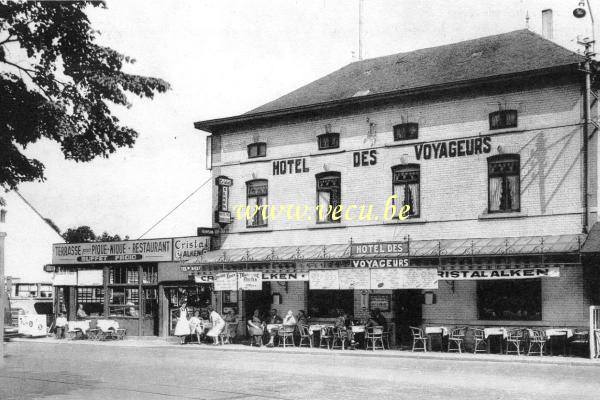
<point x="305" y="336"/>
<point x="228" y="333"/>
<point x="456" y="338"/>
<point x="581" y="339"/>
<point x="286" y="335"/>
<point x="514" y="338"/>
<point x="478" y="340"/>
<point x="340" y="337"/>
<point x="537" y="339"/>
<point x="418" y="337"/>
<point x="373" y="336"/>
<point x="326" y="336"/>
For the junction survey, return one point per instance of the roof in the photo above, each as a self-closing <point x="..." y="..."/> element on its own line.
<point x="525" y="245"/>
<point x="506" y="54"/>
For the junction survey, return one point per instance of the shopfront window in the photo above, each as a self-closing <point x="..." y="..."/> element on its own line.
<point x="124" y="275"/>
<point x="517" y="300"/>
<point x="149" y="274"/>
<point x="327" y="303"/>
<point x="406" y="180"/>
<point x="150" y="302"/>
<point x="92" y="299"/>
<point x="329" y="196"/>
<point x="124" y="302"/>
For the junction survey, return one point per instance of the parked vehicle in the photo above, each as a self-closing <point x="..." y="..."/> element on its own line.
<point x="10" y="326"/>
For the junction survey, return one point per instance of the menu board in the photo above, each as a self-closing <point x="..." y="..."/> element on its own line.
<point x="357" y="278"/>
<point x="250" y="280"/>
<point x="404" y="278"/>
<point x="324" y="279"/>
<point x="226" y="281"/>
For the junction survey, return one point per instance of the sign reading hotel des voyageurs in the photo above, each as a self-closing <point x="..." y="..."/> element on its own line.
<point x="380" y="255"/>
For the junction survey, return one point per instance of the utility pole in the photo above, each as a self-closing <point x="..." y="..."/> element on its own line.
<point x="586" y="68"/>
<point x="3" y="296"/>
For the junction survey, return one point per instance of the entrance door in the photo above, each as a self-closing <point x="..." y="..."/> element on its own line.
<point x="408" y="312"/>
<point x="257" y="299"/>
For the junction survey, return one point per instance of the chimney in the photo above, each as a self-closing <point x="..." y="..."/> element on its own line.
<point x="547" y="28"/>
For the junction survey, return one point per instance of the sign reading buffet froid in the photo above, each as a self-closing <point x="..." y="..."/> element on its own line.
<point x="144" y="250"/>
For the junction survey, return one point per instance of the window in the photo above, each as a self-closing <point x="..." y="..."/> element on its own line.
<point x="149" y="274"/>
<point x="45" y="290"/>
<point x="257" y="192"/>
<point x="409" y="130"/>
<point x="504" y="183"/>
<point x="124" y="302"/>
<point x="326" y="303"/>
<point x="124" y="275"/>
<point x="257" y="150"/>
<point x="503" y="119"/>
<point x="519" y="300"/>
<point x="328" y="196"/>
<point x="92" y="299"/>
<point x="406" y="181"/>
<point x="150" y="302"/>
<point x="329" y="141"/>
<point x="26" y="290"/>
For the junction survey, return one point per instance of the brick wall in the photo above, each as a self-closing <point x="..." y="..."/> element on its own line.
<point x="563" y="303"/>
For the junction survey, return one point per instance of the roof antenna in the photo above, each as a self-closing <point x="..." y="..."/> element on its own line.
<point x="527" y="19"/>
<point x="360" y="29"/>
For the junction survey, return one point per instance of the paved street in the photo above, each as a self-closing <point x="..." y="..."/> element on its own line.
<point x="35" y="370"/>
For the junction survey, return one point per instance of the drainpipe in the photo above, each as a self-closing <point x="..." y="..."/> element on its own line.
<point x="586" y="123"/>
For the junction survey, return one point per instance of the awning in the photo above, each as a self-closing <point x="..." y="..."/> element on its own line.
<point x="592" y="243"/>
<point x="526" y="245"/>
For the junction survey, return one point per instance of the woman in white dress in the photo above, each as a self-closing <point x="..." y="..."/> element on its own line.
<point x="182" y="329"/>
<point x="218" y="324"/>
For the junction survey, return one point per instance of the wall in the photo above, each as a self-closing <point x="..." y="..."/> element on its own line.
<point x="453" y="190"/>
<point x="563" y="303"/>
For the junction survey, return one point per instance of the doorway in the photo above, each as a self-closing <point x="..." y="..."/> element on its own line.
<point x="257" y="299"/>
<point x="408" y="306"/>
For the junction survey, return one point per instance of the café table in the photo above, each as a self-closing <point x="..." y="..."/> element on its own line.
<point x="436" y="330"/>
<point x="562" y="334"/>
<point x="496" y="332"/>
<point x="316" y="328"/>
<point x="358" y="334"/>
<point x="79" y="327"/>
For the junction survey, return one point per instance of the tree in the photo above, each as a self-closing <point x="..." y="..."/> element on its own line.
<point x="56" y="82"/>
<point x="84" y="233"/>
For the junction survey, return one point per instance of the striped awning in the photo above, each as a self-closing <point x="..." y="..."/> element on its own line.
<point x="527" y="245"/>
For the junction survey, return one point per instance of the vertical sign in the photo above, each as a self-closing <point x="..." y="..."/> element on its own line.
<point x="222" y="214"/>
<point x="250" y="280"/>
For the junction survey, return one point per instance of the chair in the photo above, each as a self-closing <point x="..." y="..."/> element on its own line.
<point x="373" y="335"/>
<point x="340" y="337"/>
<point x="456" y="338"/>
<point x="228" y="333"/>
<point x="304" y="336"/>
<point x="537" y="339"/>
<point x="326" y="336"/>
<point x="515" y="338"/>
<point x="418" y="336"/>
<point x="580" y="338"/>
<point x="286" y="334"/>
<point x="479" y="339"/>
<point x="256" y="335"/>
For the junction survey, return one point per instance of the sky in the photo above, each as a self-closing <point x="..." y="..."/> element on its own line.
<point x="226" y="57"/>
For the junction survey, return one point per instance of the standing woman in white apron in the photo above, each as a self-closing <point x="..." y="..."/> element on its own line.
<point x="182" y="329"/>
<point x="218" y="324"/>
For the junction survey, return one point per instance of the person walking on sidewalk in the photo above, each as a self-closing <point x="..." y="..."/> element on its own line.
<point x="218" y="324"/>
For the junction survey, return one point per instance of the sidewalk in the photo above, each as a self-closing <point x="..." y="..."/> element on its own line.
<point x="152" y="342"/>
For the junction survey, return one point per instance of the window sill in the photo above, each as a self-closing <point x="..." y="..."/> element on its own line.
<point x="505" y="130"/>
<point x="501" y="215"/>
<point x="251" y="229"/>
<point x="332" y="225"/>
<point x="397" y="221"/>
<point x="326" y="152"/>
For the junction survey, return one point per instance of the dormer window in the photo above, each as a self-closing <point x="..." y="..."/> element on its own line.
<point x="257" y="150"/>
<point x="329" y="141"/>
<point x="406" y="131"/>
<point x="503" y="119"/>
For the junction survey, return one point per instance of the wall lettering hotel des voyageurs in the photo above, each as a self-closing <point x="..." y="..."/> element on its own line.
<point x="453" y="148"/>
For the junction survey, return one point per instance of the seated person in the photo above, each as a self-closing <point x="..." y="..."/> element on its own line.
<point x="255" y="328"/>
<point x="341" y="324"/>
<point x="301" y="318"/>
<point x="289" y="319"/>
<point x="377" y="319"/>
<point x="196" y="325"/>
<point x="81" y="314"/>
<point x="230" y="317"/>
<point x="273" y="319"/>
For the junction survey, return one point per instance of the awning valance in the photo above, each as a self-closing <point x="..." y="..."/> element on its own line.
<point x="526" y="245"/>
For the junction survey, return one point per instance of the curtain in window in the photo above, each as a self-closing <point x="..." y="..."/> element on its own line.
<point x="324" y="203"/>
<point x="253" y="204"/>
<point x="495" y="193"/>
<point x="408" y="194"/>
<point x="513" y="186"/>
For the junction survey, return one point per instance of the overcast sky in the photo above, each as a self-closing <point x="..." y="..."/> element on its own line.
<point x="224" y="58"/>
